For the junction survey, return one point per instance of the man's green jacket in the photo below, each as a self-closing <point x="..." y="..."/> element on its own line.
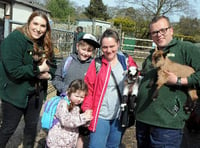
<point x="167" y="110"/>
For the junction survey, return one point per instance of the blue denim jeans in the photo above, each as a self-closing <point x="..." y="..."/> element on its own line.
<point x="107" y="135"/>
<point x="149" y="136"/>
<point x="11" y="119"/>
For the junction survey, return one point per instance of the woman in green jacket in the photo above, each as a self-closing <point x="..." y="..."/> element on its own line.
<point x="26" y="64"/>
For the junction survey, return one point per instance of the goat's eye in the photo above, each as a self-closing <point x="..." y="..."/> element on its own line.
<point x="157" y="59"/>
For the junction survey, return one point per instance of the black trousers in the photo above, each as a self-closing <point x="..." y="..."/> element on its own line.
<point x="11" y="118"/>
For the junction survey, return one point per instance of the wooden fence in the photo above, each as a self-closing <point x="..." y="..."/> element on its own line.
<point x="138" y="48"/>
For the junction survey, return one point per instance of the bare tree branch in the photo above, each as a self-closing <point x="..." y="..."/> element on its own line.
<point x="160" y="7"/>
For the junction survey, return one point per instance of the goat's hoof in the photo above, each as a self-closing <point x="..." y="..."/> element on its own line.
<point x="154" y="97"/>
<point x="189" y="106"/>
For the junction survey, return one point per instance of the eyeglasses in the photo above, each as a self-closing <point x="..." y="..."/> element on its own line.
<point x="161" y="31"/>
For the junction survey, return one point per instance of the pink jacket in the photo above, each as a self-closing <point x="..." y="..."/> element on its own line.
<point x="65" y="132"/>
<point x="97" y="85"/>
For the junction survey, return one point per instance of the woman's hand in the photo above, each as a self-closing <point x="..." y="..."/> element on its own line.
<point x="44" y="67"/>
<point x="44" y="75"/>
<point x="88" y="114"/>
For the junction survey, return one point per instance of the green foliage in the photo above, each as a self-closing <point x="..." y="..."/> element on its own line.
<point x="96" y="10"/>
<point x="133" y="28"/>
<point x="133" y="22"/>
<point x="60" y="9"/>
<point x="188" y="29"/>
<point x="142" y="28"/>
<point x="126" y="24"/>
<point x="185" y="38"/>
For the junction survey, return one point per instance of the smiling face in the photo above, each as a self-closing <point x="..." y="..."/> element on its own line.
<point x="37" y="27"/>
<point x="161" y="32"/>
<point x="109" y="48"/>
<point x="84" y="50"/>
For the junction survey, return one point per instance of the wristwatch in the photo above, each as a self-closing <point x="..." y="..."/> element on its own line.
<point x="178" y="82"/>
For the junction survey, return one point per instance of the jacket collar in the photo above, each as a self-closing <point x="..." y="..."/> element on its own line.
<point x="171" y="44"/>
<point x="167" y="48"/>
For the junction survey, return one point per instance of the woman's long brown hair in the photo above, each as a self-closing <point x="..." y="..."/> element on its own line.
<point x="45" y="41"/>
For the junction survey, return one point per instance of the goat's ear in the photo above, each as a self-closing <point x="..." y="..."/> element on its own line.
<point x="165" y="54"/>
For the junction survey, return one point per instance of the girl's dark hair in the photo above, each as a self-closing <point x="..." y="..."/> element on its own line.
<point x="110" y="33"/>
<point x="75" y="85"/>
<point x="45" y="41"/>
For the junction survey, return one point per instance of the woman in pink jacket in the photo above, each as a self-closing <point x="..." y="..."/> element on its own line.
<point x="103" y="96"/>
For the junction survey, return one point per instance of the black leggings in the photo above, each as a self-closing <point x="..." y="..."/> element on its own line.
<point x="11" y="118"/>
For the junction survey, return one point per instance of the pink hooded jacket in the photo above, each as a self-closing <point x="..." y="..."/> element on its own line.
<point x="97" y="85"/>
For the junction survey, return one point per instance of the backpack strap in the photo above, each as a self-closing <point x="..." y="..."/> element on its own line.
<point x="117" y="87"/>
<point x="123" y="59"/>
<point x="66" y="65"/>
<point x="64" y="96"/>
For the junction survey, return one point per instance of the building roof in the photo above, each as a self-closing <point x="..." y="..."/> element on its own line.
<point x="27" y="3"/>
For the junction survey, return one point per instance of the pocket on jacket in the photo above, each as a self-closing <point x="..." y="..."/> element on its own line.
<point x="14" y="91"/>
<point x="174" y="106"/>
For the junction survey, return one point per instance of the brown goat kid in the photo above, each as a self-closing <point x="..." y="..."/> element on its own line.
<point x="160" y="61"/>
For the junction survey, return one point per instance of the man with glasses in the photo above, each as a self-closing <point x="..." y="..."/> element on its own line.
<point x="160" y="122"/>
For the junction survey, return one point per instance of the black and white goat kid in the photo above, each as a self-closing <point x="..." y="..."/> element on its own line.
<point x="130" y="92"/>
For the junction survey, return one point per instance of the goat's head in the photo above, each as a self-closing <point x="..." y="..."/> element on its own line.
<point x="132" y="74"/>
<point x="158" y="58"/>
<point x="38" y="56"/>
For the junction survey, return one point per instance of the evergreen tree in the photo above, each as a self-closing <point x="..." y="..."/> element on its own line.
<point x="60" y="9"/>
<point x="96" y="10"/>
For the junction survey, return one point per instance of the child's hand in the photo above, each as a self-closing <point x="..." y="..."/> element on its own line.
<point x="88" y="115"/>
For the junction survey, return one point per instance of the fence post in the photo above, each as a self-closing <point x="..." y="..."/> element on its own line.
<point x="93" y="26"/>
<point x="122" y="40"/>
<point x="6" y="27"/>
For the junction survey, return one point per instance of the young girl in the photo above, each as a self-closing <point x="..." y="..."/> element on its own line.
<point x="65" y="132"/>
